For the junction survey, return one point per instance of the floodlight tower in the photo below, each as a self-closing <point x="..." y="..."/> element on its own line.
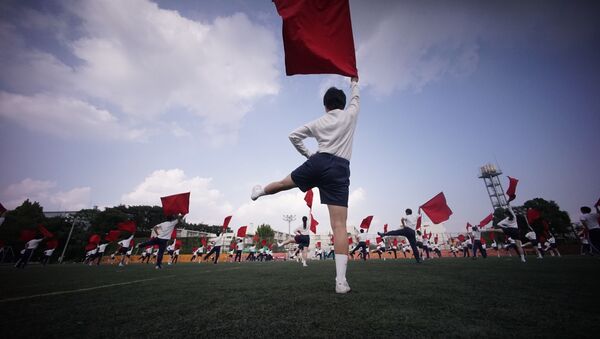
<point x="289" y="218"/>
<point x="490" y="175"/>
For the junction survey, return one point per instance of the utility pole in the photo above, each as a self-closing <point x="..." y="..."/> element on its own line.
<point x="289" y="218"/>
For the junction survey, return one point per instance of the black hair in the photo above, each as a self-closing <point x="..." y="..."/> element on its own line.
<point x="408" y="211"/>
<point x="334" y="99"/>
<point x="510" y="214"/>
<point x="362" y="231"/>
<point x="585" y="210"/>
<point x="304" y="219"/>
<point x="419" y="232"/>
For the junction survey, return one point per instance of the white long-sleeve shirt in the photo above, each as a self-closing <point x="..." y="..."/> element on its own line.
<point x="334" y="131"/>
<point x="126" y="242"/>
<point x="303" y="231"/>
<point x="166" y="228"/>
<point x="33" y="244"/>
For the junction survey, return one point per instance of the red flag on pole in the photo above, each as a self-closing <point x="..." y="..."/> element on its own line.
<point x="532" y="215"/>
<point x="94" y="239"/>
<point x="418" y="227"/>
<point x="127" y="226"/>
<point x="226" y="222"/>
<point x="313" y="224"/>
<point x="309" y="198"/>
<point x="112" y="235"/>
<point x="486" y="220"/>
<point x="366" y="223"/>
<point x="317" y="37"/>
<point x="512" y="189"/>
<point x="436" y="209"/>
<point x="175" y="204"/>
<point x="27" y="234"/>
<point x="385" y="228"/>
<point x="242" y="231"/>
<point x="45" y="232"/>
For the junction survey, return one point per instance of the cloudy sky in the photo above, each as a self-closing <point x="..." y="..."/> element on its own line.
<point x="121" y="102"/>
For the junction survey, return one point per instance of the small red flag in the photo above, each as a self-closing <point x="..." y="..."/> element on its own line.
<point x="175" y="204"/>
<point x="313" y="224"/>
<point x="112" y="235"/>
<point x="264" y="242"/>
<point x="270" y="246"/>
<point x="418" y="227"/>
<point x="318" y="244"/>
<point x="174" y="233"/>
<point x="255" y="238"/>
<point x="52" y="244"/>
<point x="2" y="209"/>
<point x="317" y="37"/>
<point x="435" y="240"/>
<point x="366" y="223"/>
<point x="368" y="242"/>
<point x="203" y="242"/>
<point x="178" y="243"/>
<point x="132" y="243"/>
<point x="90" y="246"/>
<point x="127" y="226"/>
<point x="486" y="220"/>
<point x="94" y="239"/>
<point x="45" y="232"/>
<point x="395" y="242"/>
<point x="512" y="189"/>
<point x="226" y="222"/>
<point x="461" y="237"/>
<point x="385" y="228"/>
<point x="27" y="234"/>
<point x="350" y="241"/>
<point x="155" y="247"/>
<point x="379" y="239"/>
<point x="532" y="215"/>
<point x="492" y="235"/>
<point x="242" y="231"/>
<point x="437" y="209"/>
<point x="309" y="198"/>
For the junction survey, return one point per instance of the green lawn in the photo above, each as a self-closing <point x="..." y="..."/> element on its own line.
<point x="448" y="297"/>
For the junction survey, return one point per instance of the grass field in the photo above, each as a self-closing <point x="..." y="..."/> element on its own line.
<point x="448" y="297"/>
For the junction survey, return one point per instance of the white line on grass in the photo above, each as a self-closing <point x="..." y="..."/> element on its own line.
<point x="79" y="290"/>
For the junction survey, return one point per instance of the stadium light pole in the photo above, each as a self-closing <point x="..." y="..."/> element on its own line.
<point x="289" y="218"/>
<point x="62" y="256"/>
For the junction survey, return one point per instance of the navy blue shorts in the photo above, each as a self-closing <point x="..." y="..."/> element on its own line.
<point x="302" y="241"/>
<point x="511" y="232"/>
<point x="329" y="173"/>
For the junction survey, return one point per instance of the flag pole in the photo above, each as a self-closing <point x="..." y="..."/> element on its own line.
<point x="62" y="256"/>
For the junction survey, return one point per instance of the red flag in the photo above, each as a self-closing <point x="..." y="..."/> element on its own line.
<point x="112" y="235"/>
<point x="418" y="227"/>
<point x="309" y="198"/>
<point x="2" y="209"/>
<point x="435" y="240"/>
<point x="203" y="242"/>
<point x="178" y="243"/>
<point x="127" y="226"/>
<point x="436" y="209"/>
<point x="264" y="242"/>
<point x="317" y="37"/>
<point x="132" y="243"/>
<point x="313" y="224"/>
<point x="379" y="239"/>
<point x="486" y="220"/>
<point x="318" y="244"/>
<point x="532" y="215"/>
<point x="226" y="222"/>
<point x="242" y="231"/>
<point x="469" y="227"/>
<point x="385" y="227"/>
<point x="366" y="223"/>
<point x="51" y="244"/>
<point x="512" y="189"/>
<point x="395" y="242"/>
<point x="461" y="237"/>
<point x="270" y="246"/>
<point x="492" y="236"/>
<point x="174" y="233"/>
<point x="94" y="239"/>
<point x="177" y="203"/>
<point x="45" y="232"/>
<point x="155" y="247"/>
<point x="255" y="238"/>
<point x="90" y="246"/>
<point x="27" y="234"/>
<point x="350" y="241"/>
<point x="368" y="242"/>
<point x="194" y="249"/>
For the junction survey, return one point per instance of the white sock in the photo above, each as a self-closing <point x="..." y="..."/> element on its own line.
<point x="341" y="262"/>
<point x="522" y="257"/>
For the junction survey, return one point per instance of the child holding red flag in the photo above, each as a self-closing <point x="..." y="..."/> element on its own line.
<point x="216" y="250"/>
<point x="361" y="238"/>
<point x="328" y="169"/>
<point x="27" y="252"/>
<point x="510" y="228"/>
<point x="163" y="232"/>
<point x="124" y="248"/>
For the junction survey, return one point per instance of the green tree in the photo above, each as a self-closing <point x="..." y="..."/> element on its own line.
<point x="26" y="216"/>
<point x="265" y="231"/>
<point x="558" y="221"/>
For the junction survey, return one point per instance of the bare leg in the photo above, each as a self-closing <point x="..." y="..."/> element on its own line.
<point x="278" y="186"/>
<point x="338" y="216"/>
<point x="520" y="250"/>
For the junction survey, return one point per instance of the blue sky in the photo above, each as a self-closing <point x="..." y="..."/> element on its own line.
<point x="103" y="103"/>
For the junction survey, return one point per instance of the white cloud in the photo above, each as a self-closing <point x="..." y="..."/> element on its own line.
<point x="146" y="63"/>
<point x="207" y="204"/>
<point x="46" y="194"/>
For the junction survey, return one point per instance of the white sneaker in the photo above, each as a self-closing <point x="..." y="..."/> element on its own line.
<point x="279" y="244"/>
<point x="342" y="287"/>
<point x="121" y="264"/>
<point x="257" y="191"/>
<point x="304" y="264"/>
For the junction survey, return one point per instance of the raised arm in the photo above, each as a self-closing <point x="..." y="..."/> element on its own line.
<point x="354" y="104"/>
<point x="297" y="137"/>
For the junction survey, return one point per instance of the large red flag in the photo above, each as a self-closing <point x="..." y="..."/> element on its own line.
<point x="366" y="223"/>
<point x="175" y="204"/>
<point x="27" y="234"/>
<point x="532" y="215"/>
<point x="512" y="189"/>
<point x="52" y="244"/>
<point x="436" y="209"/>
<point x="112" y="235"/>
<point x="309" y="198"/>
<point x="486" y="220"/>
<point x="313" y="224"/>
<point x="385" y="227"/>
<point x="45" y="232"/>
<point x="317" y="37"/>
<point x="94" y="239"/>
<point x="127" y="226"/>
<point x="226" y="222"/>
<point x="242" y="231"/>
